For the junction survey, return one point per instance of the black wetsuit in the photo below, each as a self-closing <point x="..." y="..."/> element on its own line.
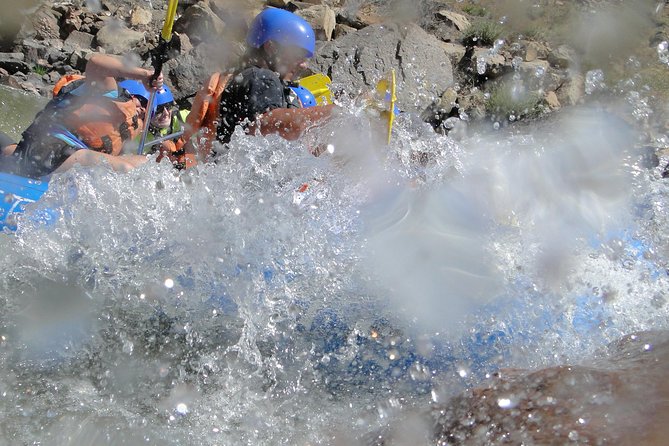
<point x="250" y="93"/>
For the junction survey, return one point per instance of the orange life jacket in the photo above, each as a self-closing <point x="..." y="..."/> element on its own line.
<point x="66" y="80"/>
<point x="103" y="124"/>
<point x="204" y="115"/>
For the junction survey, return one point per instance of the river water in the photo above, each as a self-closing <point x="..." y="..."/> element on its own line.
<point x="279" y="298"/>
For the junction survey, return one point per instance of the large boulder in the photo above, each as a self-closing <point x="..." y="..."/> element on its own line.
<point x="12" y="19"/>
<point x="13" y="63"/>
<point x="187" y="72"/>
<point x="360" y="59"/>
<point x="115" y="38"/>
<point x="43" y="24"/>
<point x="322" y="19"/>
<point x="78" y="40"/>
<point x="201" y="24"/>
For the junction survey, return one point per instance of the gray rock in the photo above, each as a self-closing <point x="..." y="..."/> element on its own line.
<point x="572" y="91"/>
<point x="455" y="51"/>
<point x="42" y="25"/>
<point x="538" y="75"/>
<point x="322" y="19"/>
<point x="552" y="100"/>
<point x="13" y="63"/>
<point x="79" y="58"/>
<point x="53" y="55"/>
<point x="33" y="50"/>
<point x="78" y="40"/>
<point x="71" y="21"/>
<point x="360" y="16"/>
<point x="12" y="18"/>
<point x="341" y="30"/>
<point x="236" y="14"/>
<point x="115" y="38"/>
<point x="201" y="24"/>
<point x="181" y="43"/>
<point x="459" y="21"/>
<point x="186" y="73"/>
<point x="493" y="63"/>
<point x="54" y="76"/>
<point x="140" y="16"/>
<point x="360" y="59"/>
<point x="562" y="57"/>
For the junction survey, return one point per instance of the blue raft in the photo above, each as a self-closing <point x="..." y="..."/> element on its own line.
<point x="15" y="193"/>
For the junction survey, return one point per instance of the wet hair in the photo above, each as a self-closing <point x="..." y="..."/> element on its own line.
<point x="256" y="57"/>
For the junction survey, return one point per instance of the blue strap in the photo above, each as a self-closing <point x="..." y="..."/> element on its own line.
<point x="82" y="90"/>
<point x="67" y="137"/>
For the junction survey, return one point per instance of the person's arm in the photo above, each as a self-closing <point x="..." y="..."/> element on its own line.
<point x="103" y="69"/>
<point x="290" y="123"/>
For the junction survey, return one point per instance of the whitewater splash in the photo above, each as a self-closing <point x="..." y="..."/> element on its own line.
<point x="280" y="298"/>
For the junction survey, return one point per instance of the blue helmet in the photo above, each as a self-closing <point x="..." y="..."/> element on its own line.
<point x="282" y="27"/>
<point x="163" y="96"/>
<point x="306" y="98"/>
<point x="135" y="88"/>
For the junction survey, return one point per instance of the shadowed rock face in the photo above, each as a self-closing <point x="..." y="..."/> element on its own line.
<point x="623" y="399"/>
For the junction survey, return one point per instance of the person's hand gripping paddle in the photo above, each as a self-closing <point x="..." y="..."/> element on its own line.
<point x="159" y="56"/>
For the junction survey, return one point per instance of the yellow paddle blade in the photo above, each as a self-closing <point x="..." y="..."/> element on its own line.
<point x="166" y="33"/>
<point x="386" y="94"/>
<point x="392" y="88"/>
<point x="318" y="85"/>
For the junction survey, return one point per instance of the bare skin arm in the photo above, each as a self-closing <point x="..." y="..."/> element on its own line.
<point x="103" y="69"/>
<point x="290" y="123"/>
<point x="85" y="157"/>
<point x="8" y="150"/>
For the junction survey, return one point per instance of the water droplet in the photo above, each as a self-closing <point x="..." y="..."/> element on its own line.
<point x="506" y="403"/>
<point x="495" y="125"/>
<point x="419" y="372"/>
<point x="237" y="211"/>
<point x="481" y="65"/>
<point x="169" y="283"/>
<point x="182" y="409"/>
<point x="628" y="263"/>
<point x="663" y="52"/>
<point x="594" y="81"/>
<point x="128" y="347"/>
<point x="330" y="148"/>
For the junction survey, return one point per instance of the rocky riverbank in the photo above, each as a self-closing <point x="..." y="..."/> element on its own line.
<point x="500" y="61"/>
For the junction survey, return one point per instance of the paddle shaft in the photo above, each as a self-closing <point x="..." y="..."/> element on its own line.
<point x="158" y="56"/>
<point x="165" y="138"/>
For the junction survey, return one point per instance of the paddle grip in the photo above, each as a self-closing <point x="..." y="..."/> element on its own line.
<point x="159" y="55"/>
